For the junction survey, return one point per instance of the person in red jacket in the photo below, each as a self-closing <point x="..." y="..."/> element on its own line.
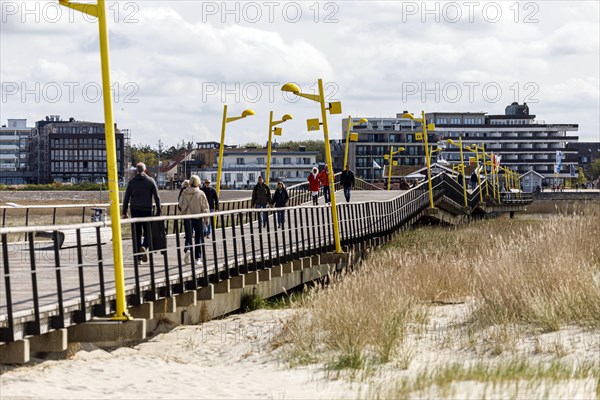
<point x="324" y="180"/>
<point x="313" y="184"/>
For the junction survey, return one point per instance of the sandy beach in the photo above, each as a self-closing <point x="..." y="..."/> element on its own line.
<point x="228" y="358"/>
<point x="240" y="357"/>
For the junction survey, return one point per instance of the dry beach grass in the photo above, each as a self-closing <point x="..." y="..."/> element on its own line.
<point x="486" y="302"/>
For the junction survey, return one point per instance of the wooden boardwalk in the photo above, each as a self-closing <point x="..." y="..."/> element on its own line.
<point x="307" y="228"/>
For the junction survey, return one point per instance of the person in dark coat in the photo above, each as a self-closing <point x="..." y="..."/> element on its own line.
<point x="473" y="180"/>
<point x="280" y="199"/>
<point x="140" y="192"/>
<point x="347" y="181"/>
<point x="213" y="203"/>
<point x="261" y="197"/>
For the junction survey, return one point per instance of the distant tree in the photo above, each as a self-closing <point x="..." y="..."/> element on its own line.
<point x="581" y="179"/>
<point x="595" y="169"/>
<point x="147" y="157"/>
<point x="143" y="153"/>
<point x="310" y="145"/>
<point x="253" y="144"/>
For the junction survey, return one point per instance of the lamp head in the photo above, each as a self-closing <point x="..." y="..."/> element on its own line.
<point x="408" y="115"/>
<point x="468" y="148"/>
<point x="287" y="117"/>
<point x="247" y="112"/>
<point x="290" y="87"/>
<point x="449" y="141"/>
<point x="363" y="121"/>
<point x="401" y="149"/>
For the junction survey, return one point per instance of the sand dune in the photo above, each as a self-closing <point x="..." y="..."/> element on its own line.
<point x="229" y="358"/>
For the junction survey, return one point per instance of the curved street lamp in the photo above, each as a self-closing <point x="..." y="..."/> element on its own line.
<point x="391" y="163"/>
<point x="277" y="132"/>
<point x="314" y="125"/>
<point x="423" y="137"/>
<point x="226" y="120"/>
<point x="351" y="136"/>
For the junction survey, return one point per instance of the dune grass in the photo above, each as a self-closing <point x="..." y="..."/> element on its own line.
<point x="537" y="275"/>
<point x="510" y="378"/>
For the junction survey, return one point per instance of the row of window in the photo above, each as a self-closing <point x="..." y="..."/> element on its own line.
<point x="80" y="166"/>
<point x="239" y="177"/>
<point x="79" y="129"/>
<point x="382" y="150"/>
<point x="82" y="142"/>
<point x="394" y="138"/>
<point x="457" y="121"/>
<point x="274" y="160"/>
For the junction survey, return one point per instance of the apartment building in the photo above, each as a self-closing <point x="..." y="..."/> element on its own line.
<point x="73" y="151"/>
<point x="374" y="141"/>
<point x="14" y="138"/>
<point x="522" y="143"/>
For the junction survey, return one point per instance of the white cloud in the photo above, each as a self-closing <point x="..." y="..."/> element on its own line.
<point x="181" y="65"/>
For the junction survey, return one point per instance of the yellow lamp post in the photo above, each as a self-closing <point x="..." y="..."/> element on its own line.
<point x="222" y="146"/>
<point x="423" y="122"/>
<point x="462" y="167"/>
<point x="495" y="172"/>
<point x="351" y="136"/>
<point x="313" y="125"/>
<point x="483" y="155"/>
<point x="391" y="163"/>
<point x="475" y="150"/>
<point x="492" y="176"/>
<point x="98" y="10"/>
<point x="277" y="132"/>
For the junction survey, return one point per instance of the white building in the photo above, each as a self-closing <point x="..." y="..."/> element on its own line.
<point x="522" y="142"/>
<point x="242" y="167"/>
<point x="13" y="151"/>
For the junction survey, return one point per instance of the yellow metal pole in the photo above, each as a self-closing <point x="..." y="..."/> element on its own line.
<point x="493" y="175"/>
<point x="269" y="149"/>
<point x="334" y="216"/>
<point x="221" y="149"/>
<point x="485" y="174"/>
<point x="99" y="11"/>
<point x="462" y="163"/>
<point x="348" y="133"/>
<point x="478" y="177"/>
<point x="427" y="161"/>
<point x="497" y="169"/>
<point x="111" y="163"/>
<point x="390" y="168"/>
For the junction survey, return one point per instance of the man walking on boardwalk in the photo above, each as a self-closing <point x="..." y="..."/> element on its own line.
<point x="261" y="197"/>
<point x="140" y="192"/>
<point x="347" y="181"/>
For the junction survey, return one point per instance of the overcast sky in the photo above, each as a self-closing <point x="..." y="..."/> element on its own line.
<point x="176" y="63"/>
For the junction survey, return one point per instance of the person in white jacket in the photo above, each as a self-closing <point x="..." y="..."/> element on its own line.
<point x="193" y="201"/>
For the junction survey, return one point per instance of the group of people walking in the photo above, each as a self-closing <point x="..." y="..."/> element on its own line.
<point x="320" y="180"/>
<point x="261" y="198"/>
<point x="192" y="200"/>
<point x="195" y="199"/>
